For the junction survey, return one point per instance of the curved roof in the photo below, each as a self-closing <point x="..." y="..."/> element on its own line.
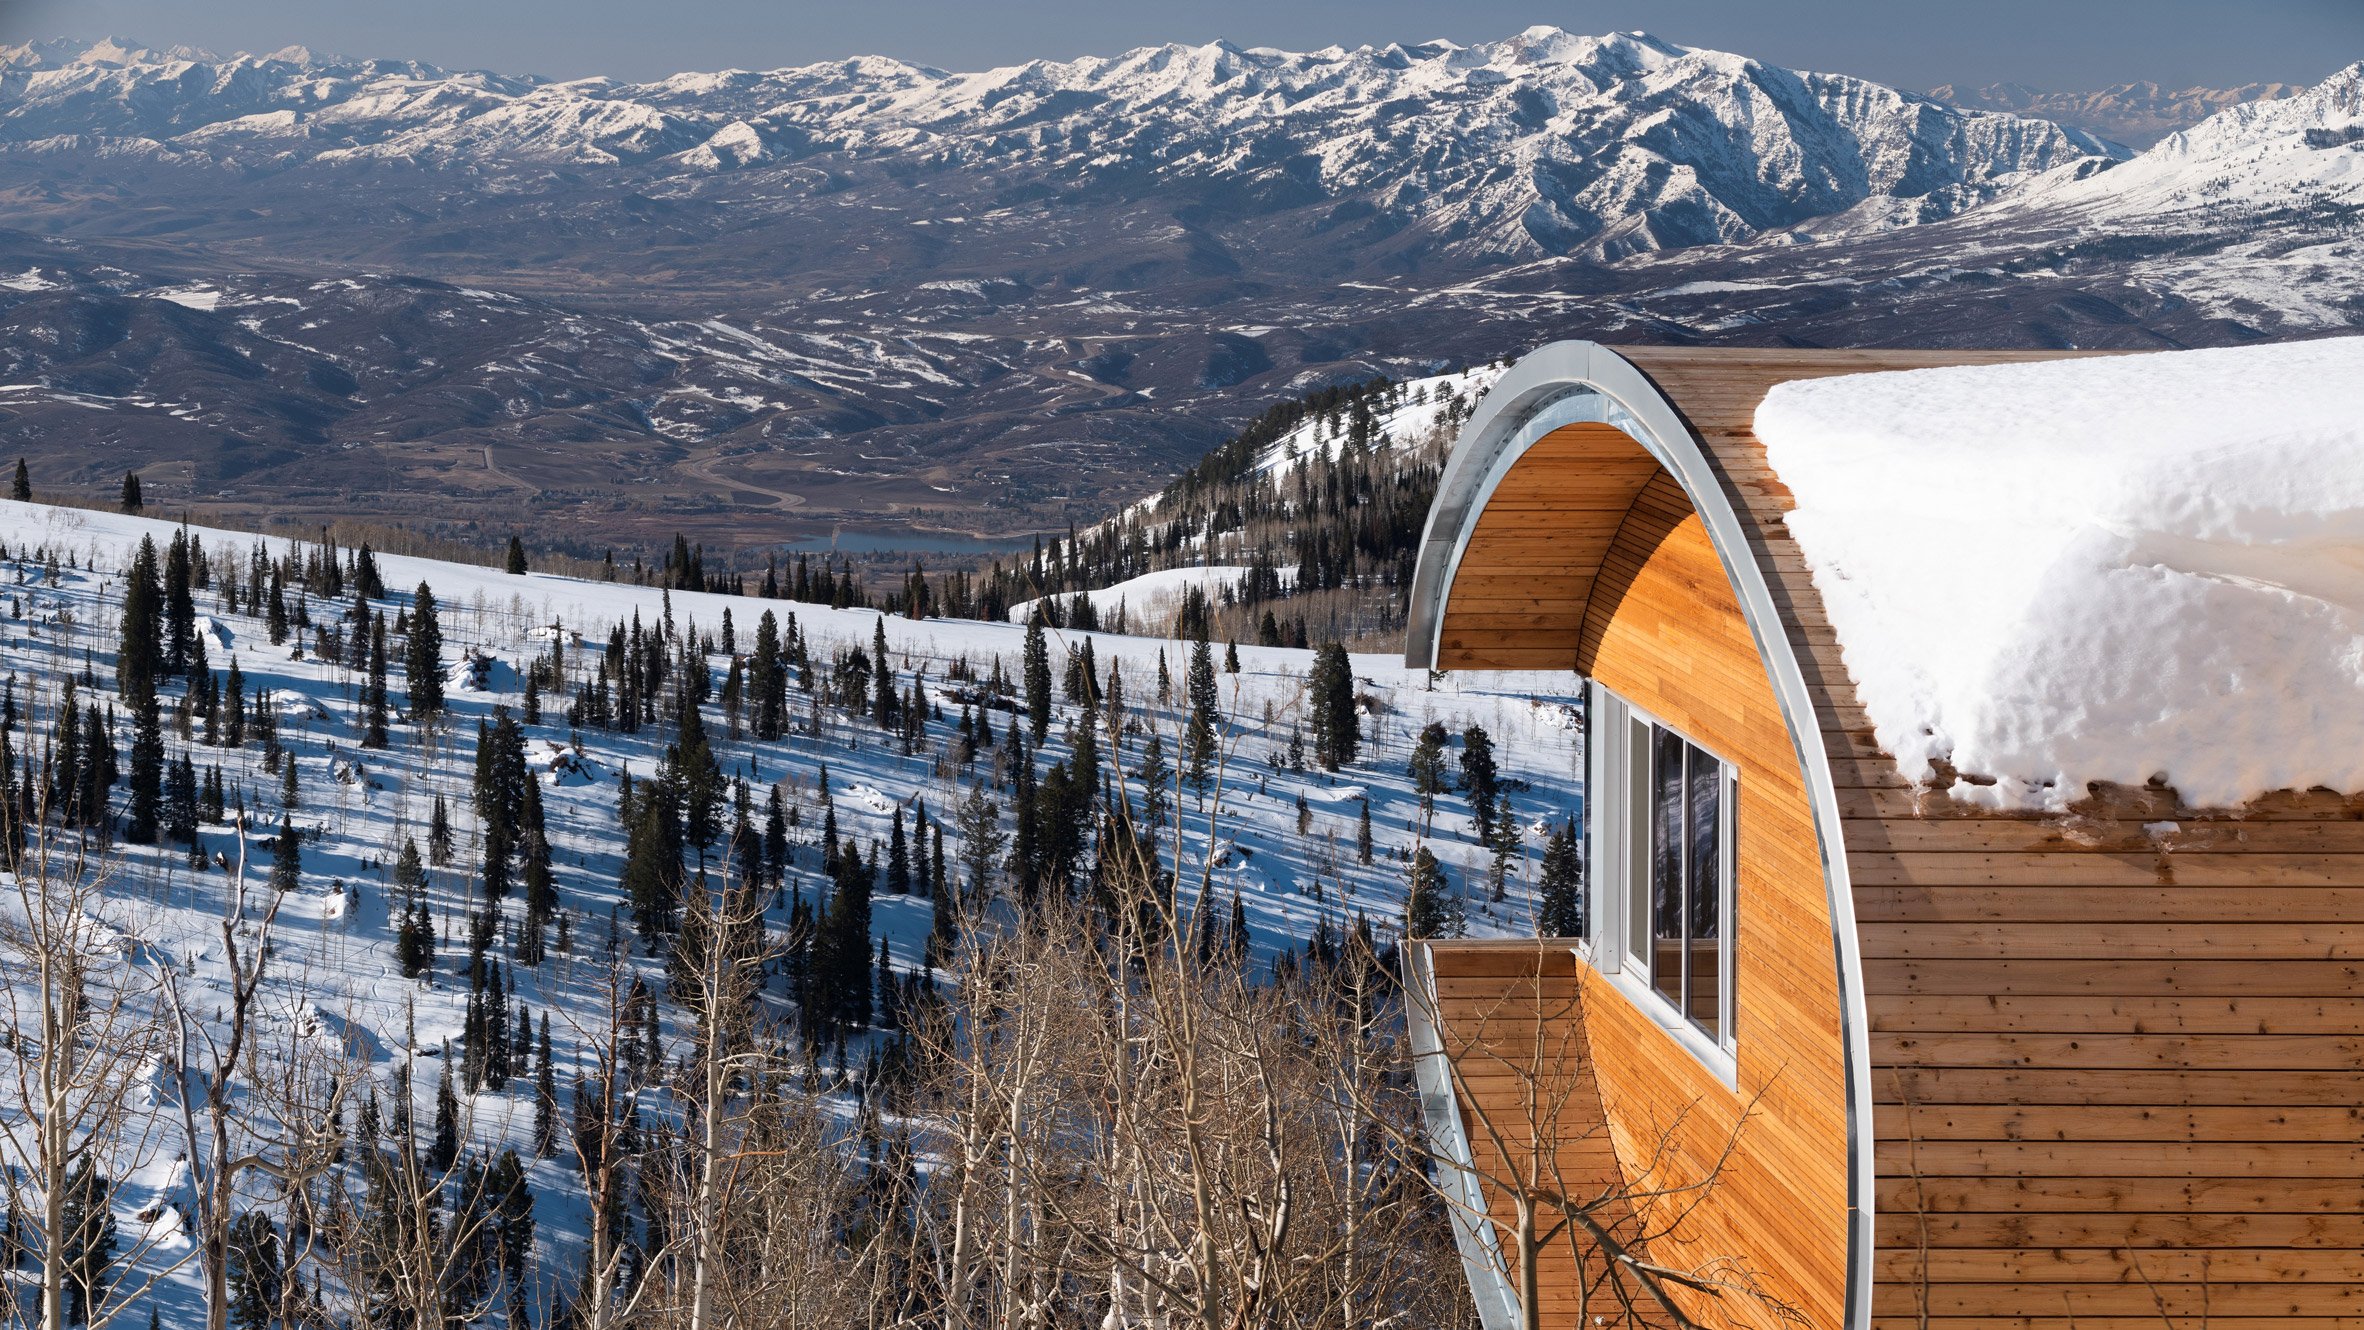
<point x="1544" y="441"/>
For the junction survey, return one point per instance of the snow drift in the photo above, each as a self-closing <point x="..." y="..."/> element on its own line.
<point x="2103" y="569"/>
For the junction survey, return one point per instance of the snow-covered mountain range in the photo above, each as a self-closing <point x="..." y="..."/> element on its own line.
<point x="2139" y="113"/>
<point x="1544" y="143"/>
<point x="765" y="304"/>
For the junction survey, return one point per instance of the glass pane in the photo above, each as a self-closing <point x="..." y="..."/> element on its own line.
<point x="1704" y="886"/>
<point x="1666" y="864"/>
<point x="1638" y="805"/>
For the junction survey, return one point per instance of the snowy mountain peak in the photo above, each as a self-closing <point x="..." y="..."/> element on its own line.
<point x="1542" y="144"/>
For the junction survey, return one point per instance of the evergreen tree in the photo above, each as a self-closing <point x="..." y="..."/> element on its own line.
<point x="1427" y="767"/>
<point x="652" y="864"/>
<point x="1431" y="907"/>
<point x="1231" y="657"/>
<point x="256" y="1274"/>
<point x="180" y="804"/>
<point x="1362" y="833"/>
<point x="768" y="678"/>
<point x="898" y="871"/>
<point x="545" y="1097"/>
<point x="287" y="860"/>
<point x="1337" y="724"/>
<point x="439" y="833"/>
<point x="275" y="621"/>
<point x="444" y="1150"/>
<point x="85" y="1242"/>
<point x="1562" y="908"/>
<point x="21" y="489"/>
<point x="1037" y="677"/>
<point x="515" y="564"/>
<point x="422" y="660"/>
<point x="1155" y="779"/>
<point x="131" y="492"/>
<point x="234" y="707"/>
<point x="1504" y="839"/>
<point x="147" y="774"/>
<point x="1479" y="778"/>
<point x="1200" y="741"/>
<point x="373" y="693"/>
<point x="180" y="609"/>
<point x="139" y="656"/>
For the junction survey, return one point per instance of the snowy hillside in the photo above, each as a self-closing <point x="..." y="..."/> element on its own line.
<point x="1299" y="527"/>
<point x="1273" y="843"/>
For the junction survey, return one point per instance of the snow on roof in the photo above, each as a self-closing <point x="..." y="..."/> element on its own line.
<point x="2107" y="568"/>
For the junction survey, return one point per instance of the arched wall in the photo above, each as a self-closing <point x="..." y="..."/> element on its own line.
<point x="1574" y="483"/>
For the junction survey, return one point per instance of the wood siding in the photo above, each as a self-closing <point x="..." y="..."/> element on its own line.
<point x="1526" y="571"/>
<point x="1660" y="624"/>
<point x="2117" y="1053"/>
<point x="1665" y="632"/>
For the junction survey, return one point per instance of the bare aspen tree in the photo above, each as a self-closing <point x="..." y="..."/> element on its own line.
<point x="222" y="1143"/>
<point x="83" y="1039"/>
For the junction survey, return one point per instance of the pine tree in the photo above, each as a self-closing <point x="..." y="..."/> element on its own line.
<point x="545" y="1097"/>
<point x="444" y="1151"/>
<point x="1479" y="778"/>
<point x="981" y="838"/>
<point x="373" y="693"/>
<point x="139" y="655"/>
<point x="439" y="833"/>
<point x="255" y="1270"/>
<point x="21" y="489"/>
<point x="180" y="609"/>
<point x="1200" y="740"/>
<point x="1362" y="833"/>
<point x="1431" y="908"/>
<point x="652" y="865"/>
<point x="1504" y="840"/>
<point x="234" y="707"/>
<point x="1337" y="723"/>
<point x="147" y="774"/>
<point x="515" y="565"/>
<point x="1562" y="908"/>
<point x="1427" y="768"/>
<point x="85" y="1242"/>
<point x="1231" y="657"/>
<point x="1037" y="677"/>
<point x="287" y="860"/>
<point x="131" y="492"/>
<point x="898" y="871"/>
<point x="422" y="661"/>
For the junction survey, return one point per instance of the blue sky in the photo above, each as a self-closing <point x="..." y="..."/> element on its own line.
<point x="2057" y="44"/>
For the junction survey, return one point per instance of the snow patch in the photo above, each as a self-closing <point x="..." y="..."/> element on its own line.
<point x="2107" y="569"/>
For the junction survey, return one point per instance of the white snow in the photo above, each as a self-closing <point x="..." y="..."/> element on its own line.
<point x="1151" y="598"/>
<point x="2098" y="569"/>
<point x="192" y="297"/>
<point x="339" y="980"/>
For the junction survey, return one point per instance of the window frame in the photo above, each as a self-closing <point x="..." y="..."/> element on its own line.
<point x="1617" y="838"/>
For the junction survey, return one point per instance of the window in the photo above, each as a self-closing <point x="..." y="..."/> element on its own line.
<point x="1660" y="844"/>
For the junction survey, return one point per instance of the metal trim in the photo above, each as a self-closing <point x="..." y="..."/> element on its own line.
<point x="1481" y="1252"/>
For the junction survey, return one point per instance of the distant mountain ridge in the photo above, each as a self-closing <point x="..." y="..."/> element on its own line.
<point x="1544" y="143"/>
<point x="2136" y="114"/>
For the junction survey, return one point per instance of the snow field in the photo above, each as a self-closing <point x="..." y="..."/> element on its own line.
<point x="335" y="974"/>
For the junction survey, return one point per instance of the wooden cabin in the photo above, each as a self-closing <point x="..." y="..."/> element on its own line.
<point x="1857" y="1051"/>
